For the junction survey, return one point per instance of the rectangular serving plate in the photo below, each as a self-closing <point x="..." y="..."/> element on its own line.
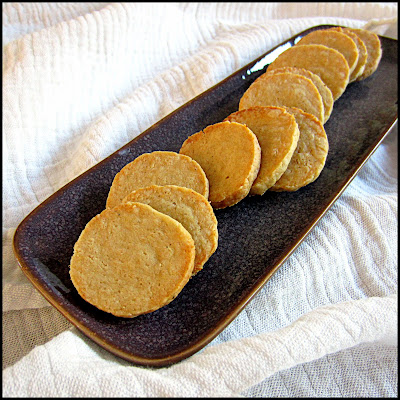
<point x="256" y="236"/>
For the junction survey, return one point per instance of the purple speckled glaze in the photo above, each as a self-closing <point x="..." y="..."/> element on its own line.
<point x="253" y="242"/>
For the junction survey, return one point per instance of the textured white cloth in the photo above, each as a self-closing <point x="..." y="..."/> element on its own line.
<point x="82" y="79"/>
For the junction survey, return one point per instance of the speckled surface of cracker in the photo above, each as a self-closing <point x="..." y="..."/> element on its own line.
<point x="230" y="155"/>
<point x="189" y="208"/>
<point x="329" y="64"/>
<point x="362" y="53"/>
<point x="324" y="91"/>
<point x="309" y="158"/>
<point x="336" y="40"/>
<point x="278" y="134"/>
<point x="374" y="50"/>
<point x="284" y="89"/>
<point x="132" y="260"/>
<point x="157" y="168"/>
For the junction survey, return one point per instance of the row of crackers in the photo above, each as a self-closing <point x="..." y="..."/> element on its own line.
<point x="159" y="228"/>
<point x="276" y="140"/>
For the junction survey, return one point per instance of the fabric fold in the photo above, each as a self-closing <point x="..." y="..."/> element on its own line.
<point x="217" y="371"/>
<point x="80" y="80"/>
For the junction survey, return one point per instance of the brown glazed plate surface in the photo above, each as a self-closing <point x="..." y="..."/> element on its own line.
<point x="255" y="236"/>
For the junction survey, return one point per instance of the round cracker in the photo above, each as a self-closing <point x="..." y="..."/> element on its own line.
<point x="278" y="134"/>
<point x="230" y="155"/>
<point x="131" y="260"/>
<point x="374" y="50"/>
<point x="329" y="64"/>
<point x="309" y="158"/>
<point x="189" y="208"/>
<point x="335" y="40"/>
<point x="284" y="89"/>
<point x="362" y="53"/>
<point x="324" y="91"/>
<point x="157" y="168"/>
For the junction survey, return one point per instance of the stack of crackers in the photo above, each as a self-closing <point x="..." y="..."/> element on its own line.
<point x="159" y="228"/>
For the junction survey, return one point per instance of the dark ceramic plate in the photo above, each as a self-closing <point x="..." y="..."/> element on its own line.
<point x="253" y="240"/>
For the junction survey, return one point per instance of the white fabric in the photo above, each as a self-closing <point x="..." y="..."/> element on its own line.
<point x="82" y="79"/>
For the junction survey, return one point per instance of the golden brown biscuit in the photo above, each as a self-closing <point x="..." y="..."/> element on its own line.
<point x="158" y="168"/>
<point x="374" y="50"/>
<point x="278" y="134"/>
<point x="362" y="53"/>
<point x="230" y="156"/>
<point x="284" y="89"/>
<point x="310" y="155"/>
<point x="131" y="260"/>
<point x="335" y="40"/>
<point x="189" y="208"/>
<point x="329" y="64"/>
<point x="324" y="91"/>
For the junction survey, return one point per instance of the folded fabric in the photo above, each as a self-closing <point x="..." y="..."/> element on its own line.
<point x="80" y="80"/>
<point x="223" y="370"/>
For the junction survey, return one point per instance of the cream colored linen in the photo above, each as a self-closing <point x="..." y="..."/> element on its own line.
<point x="82" y="79"/>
